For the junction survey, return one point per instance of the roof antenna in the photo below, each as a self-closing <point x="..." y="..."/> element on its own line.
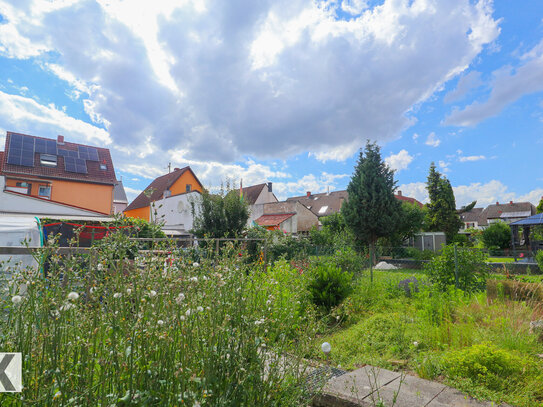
<point x="169" y="167"/>
<point x="328" y="190"/>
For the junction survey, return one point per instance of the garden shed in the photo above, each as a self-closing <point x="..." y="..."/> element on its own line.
<point x="526" y="225"/>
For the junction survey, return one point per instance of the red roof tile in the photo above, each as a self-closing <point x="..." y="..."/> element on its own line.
<point x="273" y="220"/>
<point x="94" y="173"/>
<point x="409" y="199"/>
<point x="159" y="185"/>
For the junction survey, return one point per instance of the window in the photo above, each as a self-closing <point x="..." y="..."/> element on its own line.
<point x="103" y="167"/>
<point x="323" y="209"/>
<point x="48" y="160"/>
<point x="21" y="184"/>
<point x="44" y="191"/>
<point x="189" y="187"/>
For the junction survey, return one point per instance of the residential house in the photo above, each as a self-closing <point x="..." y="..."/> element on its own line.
<point x="120" y="201"/>
<point x="322" y="204"/>
<point x="399" y="196"/>
<point x="256" y="196"/>
<point x="328" y="203"/>
<point x="42" y="176"/>
<point x="474" y="219"/>
<point x="168" y="199"/>
<point x="288" y="216"/>
<point x="509" y="212"/>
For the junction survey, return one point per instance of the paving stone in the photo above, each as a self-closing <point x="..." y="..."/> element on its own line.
<point x="413" y="392"/>
<point x="355" y="386"/>
<point x="365" y="387"/>
<point x="453" y="398"/>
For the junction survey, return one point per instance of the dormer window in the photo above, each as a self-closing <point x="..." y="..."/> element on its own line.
<point x="48" y="160"/>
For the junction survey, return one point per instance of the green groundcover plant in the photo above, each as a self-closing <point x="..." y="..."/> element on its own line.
<point x="158" y="330"/>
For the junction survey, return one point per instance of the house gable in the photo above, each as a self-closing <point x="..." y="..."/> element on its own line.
<point x="173" y="183"/>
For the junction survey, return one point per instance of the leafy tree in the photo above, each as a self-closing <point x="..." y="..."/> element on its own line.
<point x="220" y="215"/>
<point x="497" y="235"/>
<point x="411" y="220"/>
<point x="372" y="211"/>
<point x="470" y="264"/>
<point x="539" y="208"/>
<point x="442" y="215"/>
<point x="333" y="233"/>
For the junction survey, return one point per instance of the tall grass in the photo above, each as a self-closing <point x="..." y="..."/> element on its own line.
<point x="154" y="331"/>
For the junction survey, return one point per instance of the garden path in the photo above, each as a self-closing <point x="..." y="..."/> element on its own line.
<point x="366" y="386"/>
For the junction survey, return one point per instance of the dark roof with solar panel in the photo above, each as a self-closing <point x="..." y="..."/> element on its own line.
<point x="29" y="155"/>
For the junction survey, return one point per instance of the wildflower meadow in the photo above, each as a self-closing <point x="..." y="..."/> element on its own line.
<point x="164" y="327"/>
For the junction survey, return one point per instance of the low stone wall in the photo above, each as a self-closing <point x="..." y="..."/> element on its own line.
<point x="512" y="268"/>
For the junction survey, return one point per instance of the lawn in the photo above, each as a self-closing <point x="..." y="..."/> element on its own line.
<point x="477" y="344"/>
<point x="191" y="328"/>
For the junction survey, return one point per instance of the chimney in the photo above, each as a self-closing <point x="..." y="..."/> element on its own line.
<point x="270" y="187"/>
<point x="510" y="202"/>
<point x="308" y="194"/>
<point x="60" y="140"/>
<point x="497" y="203"/>
<point x="176" y="169"/>
<point x="399" y="193"/>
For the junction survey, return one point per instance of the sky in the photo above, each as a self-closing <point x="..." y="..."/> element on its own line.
<point x="286" y="91"/>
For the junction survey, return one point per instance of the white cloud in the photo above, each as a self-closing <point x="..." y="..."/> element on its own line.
<point x="25" y="115"/>
<point x="249" y="79"/>
<point x="508" y="85"/>
<point x="463" y="159"/>
<point x="354" y="7"/>
<point x="308" y="182"/>
<point x="444" y="166"/>
<point x="415" y="136"/>
<point x="466" y="83"/>
<point x="492" y="192"/>
<point x="399" y="161"/>
<point x="415" y="190"/>
<point x="484" y="193"/>
<point x="432" y="140"/>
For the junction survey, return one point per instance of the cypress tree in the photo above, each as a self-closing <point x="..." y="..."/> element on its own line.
<point x="442" y="215"/>
<point x="371" y="211"/>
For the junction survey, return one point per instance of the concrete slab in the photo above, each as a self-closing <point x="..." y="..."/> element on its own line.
<point x="413" y="392"/>
<point x="367" y="386"/>
<point x="450" y="397"/>
<point x="352" y="388"/>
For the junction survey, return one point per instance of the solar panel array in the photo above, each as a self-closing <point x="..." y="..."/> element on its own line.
<point x="46" y="146"/>
<point x="73" y="164"/>
<point x="68" y="153"/>
<point x="88" y="153"/>
<point x="21" y="150"/>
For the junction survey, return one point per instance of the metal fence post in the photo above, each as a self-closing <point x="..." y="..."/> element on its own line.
<point x="455" y="266"/>
<point x="265" y="255"/>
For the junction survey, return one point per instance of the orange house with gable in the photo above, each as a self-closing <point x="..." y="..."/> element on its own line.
<point x="179" y="181"/>
<point x="56" y="171"/>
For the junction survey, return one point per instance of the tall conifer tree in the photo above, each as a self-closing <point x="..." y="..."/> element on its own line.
<point x="371" y="211"/>
<point x="442" y="215"/>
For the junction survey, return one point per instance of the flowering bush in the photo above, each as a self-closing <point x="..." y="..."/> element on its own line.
<point x="108" y="331"/>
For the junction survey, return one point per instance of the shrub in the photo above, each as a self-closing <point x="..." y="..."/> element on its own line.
<point x="349" y="260"/>
<point x="472" y="269"/>
<point x="328" y="285"/>
<point x="419" y="254"/>
<point x="539" y="259"/>
<point x="485" y="364"/>
<point x="497" y="235"/>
